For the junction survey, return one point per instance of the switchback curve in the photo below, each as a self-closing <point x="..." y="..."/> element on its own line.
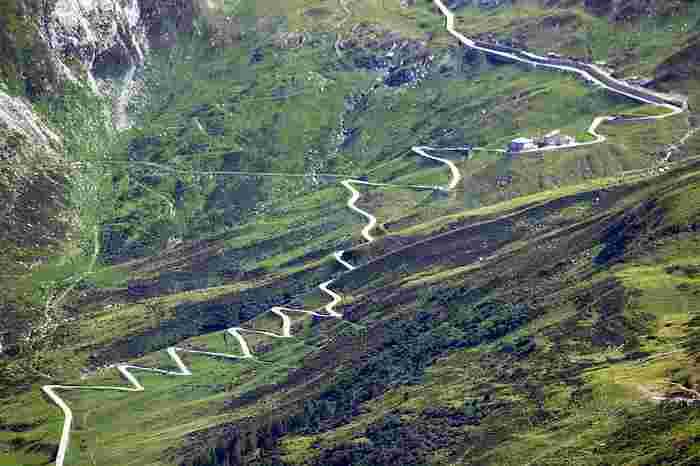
<point x="588" y="72"/>
<point x="328" y="311"/>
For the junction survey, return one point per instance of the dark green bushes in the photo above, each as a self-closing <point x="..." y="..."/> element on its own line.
<point x="693" y="342"/>
<point x="389" y="442"/>
<point x="409" y="347"/>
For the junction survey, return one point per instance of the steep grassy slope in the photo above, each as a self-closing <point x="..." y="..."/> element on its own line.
<point x="574" y="319"/>
<point x="565" y="321"/>
<point x="655" y="40"/>
<point x="530" y="294"/>
<point x="52" y="220"/>
<point x="258" y="108"/>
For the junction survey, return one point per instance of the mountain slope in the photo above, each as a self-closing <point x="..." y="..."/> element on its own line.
<point x="532" y="313"/>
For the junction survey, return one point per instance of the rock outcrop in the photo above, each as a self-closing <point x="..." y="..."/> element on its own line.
<point x="33" y="218"/>
<point x="16" y="116"/>
<point x="31" y="180"/>
<point x="45" y="43"/>
<point x="27" y="63"/>
<point x="102" y="37"/>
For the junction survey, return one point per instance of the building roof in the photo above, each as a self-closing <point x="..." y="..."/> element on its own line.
<point x="553" y="133"/>
<point x="522" y="141"/>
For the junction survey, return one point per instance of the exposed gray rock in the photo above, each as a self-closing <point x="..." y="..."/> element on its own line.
<point x="33" y="215"/>
<point x="107" y="37"/>
<point x="45" y="43"/>
<point x="27" y="62"/>
<point x="289" y="40"/>
<point x="16" y="116"/>
<point x="32" y="177"/>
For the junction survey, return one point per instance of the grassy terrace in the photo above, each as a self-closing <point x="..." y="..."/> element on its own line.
<point x="270" y="238"/>
<point x="573" y="395"/>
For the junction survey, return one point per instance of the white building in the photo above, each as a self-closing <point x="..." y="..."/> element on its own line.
<point x="556" y="138"/>
<point x="521" y="144"/>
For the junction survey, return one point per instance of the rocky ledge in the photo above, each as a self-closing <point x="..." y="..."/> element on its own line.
<point x="32" y="179"/>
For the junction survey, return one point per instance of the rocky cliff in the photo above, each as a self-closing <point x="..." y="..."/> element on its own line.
<point x="33" y="217"/>
<point x="47" y="43"/>
<point x="105" y="36"/>
<point x="44" y="45"/>
<point x="32" y="183"/>
<point x="50" y="50"/>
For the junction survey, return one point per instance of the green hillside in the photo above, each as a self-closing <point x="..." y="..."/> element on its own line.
<point x="537" y="314"/>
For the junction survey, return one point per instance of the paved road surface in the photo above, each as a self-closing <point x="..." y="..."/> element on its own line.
<point x="588" y="72"/>
<point x="126" y="370"/>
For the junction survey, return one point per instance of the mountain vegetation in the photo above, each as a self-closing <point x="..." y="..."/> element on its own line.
<point x="544" y="312"/>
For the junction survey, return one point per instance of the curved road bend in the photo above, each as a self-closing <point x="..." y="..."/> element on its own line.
<point x="593" y="74"/>
<point x="588" y="72"/>
<point x="126" y="370"/>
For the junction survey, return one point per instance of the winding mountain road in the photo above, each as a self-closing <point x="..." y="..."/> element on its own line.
<point x="456" y="175"/>
<point x="589" y="72"/>
<point x="126" y="370"/>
